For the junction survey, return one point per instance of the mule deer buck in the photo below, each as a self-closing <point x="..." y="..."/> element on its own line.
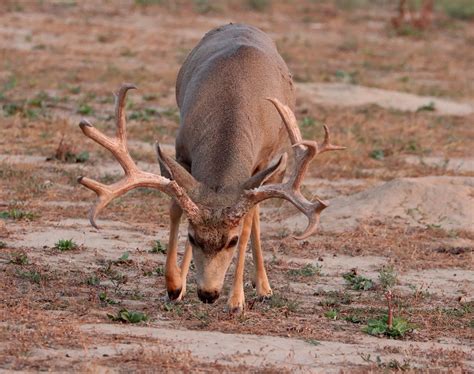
<point x="227" y="92"/>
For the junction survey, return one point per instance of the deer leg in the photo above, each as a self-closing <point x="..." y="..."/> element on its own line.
<point x="236" y="300"/>
<point x="260" y="278"/>
<point x="188" y="255"/>
<point x="172" y="272"/>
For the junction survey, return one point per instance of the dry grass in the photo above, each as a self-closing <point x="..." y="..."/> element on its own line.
<point x="60" y="63"/>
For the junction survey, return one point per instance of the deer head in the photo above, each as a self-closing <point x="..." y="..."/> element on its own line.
<point x="214" y="216"/>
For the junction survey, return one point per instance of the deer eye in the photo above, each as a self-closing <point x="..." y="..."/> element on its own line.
<point x="192" y="240"/>
<point x="233" y="242"/>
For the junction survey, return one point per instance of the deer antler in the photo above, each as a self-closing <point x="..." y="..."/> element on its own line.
<point x="134" y="177"/>
<point x="304" y="151"/>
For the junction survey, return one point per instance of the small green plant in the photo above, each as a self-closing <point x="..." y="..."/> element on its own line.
<point x="17" y="214"/>
<point x="336" y="298"/>
<point x="353" y="319"/>
<point x="93" y="280"/>
<point x="65" y="245"/>
<point x="308" y="122"/>
<point x="123" y="259"/>
<point x="146" y="114"/>
<point x="358" y="282"/>
<point x="160" y="271"/>
<point x="126" y="316"/>
<point x="331" y="314"/>
<point x="346" y="77"/>
<point x="379" y="326"/>
<point x="281" y="302"/>
<point x="430" y="107"/>
<point x="3" y="245"/>
<point x="313" y="341"/>
<point x="173" y="308"/>
<point x="377" y="154"/>
<point x="172" y="114"/>
<point x="19" y="259"/>
<point x="103" y="297"/>
<point x="85" y="109"/>
<point x="203" y="317"/>
<point x="158" y="247"/>
<point x="32" y="276"/>
<point x="308" y="270"/>
<point x="387" y="277"/>
<point x="392" y="364"/>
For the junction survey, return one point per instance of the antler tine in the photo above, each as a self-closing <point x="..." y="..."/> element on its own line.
<point x="134" y="177"/>
<point x="120" y="112"/>
<point x="327" y="146"/>
<point x="304" y="151"/>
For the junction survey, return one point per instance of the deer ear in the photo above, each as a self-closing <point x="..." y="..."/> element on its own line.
<point x="274" y="173"/>
<point x="172" y="169"/>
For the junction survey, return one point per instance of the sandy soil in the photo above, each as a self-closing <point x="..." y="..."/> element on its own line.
<point x="401" y="195"/>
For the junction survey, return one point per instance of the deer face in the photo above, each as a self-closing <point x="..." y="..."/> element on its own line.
<point x="213" y="249"/>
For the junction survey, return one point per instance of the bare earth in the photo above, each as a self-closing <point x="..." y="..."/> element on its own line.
<point x="402" y="194"/>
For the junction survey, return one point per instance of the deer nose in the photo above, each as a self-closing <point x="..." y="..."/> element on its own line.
<point x="208" y="297"/>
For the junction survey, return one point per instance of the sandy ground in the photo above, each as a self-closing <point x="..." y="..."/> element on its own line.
<point x="401" y="195"/>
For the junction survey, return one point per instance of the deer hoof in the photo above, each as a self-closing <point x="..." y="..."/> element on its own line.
<point x="235" y="306"/>
<point x="175" y="295"/>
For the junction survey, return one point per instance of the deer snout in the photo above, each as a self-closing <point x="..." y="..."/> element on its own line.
<point x="208" y="297"/>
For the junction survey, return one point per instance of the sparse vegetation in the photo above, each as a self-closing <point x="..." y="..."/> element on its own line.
<point x="158" y="247"/>
<point x="92" y="280"/>
<point x="331" y="314"/>
<point x="259" y="5"/>
<point x="31" y="275"/>
<point x="388" y="277"/>
<point x="17" y="214"/>
<point x="54" y="70"/>
<point x="459" y="9"/>
<point x="379" y="326"/>
<point x="65" y="245"/>
<point x="358" y="282"/>
<point x="19" y="259"/>
<point x="160" y="271"/>
<point x="307" y="270"/>
<point x="126" y="316"/>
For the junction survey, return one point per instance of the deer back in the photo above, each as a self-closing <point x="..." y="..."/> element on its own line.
<point x="228" y="131"/>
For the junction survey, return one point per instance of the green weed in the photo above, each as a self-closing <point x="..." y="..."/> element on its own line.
<point x="377" y="154"/>
<point x="19" y="259"/>
<point x="331" y="314"/>
<point x="308" y="270"/>
<point x="33" y="276"/>
<point x="17" y="214"/>
<point x="430" y="107"/>
<point x="126" y="316"/>
<point x="92" y="280"/>
<point x="85" y="109"/>
<point x="388" y="277"/>
<point x="103" y="297"/>
<point x="158" y="247"/>
<point x="358" y="282"/>
<point x="400" y="327"/>
<point x="65" y="245"/>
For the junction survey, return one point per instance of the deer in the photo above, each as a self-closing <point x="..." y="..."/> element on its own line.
<point x="236" y="100"/>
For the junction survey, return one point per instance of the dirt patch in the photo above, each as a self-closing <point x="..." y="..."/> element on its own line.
<point x="444" y="202"/>
<point x="340" y="94"/>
